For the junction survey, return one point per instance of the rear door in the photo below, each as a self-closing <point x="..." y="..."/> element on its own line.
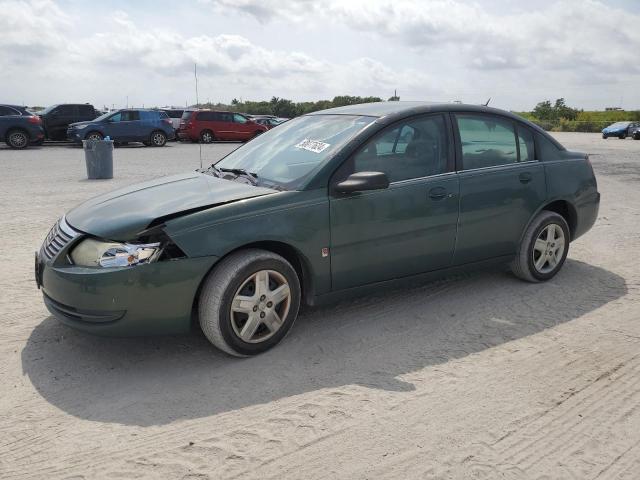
<point x="124" y="126"/>
<point x="408" y="228"/>
<point x="7" y="119"/>
<point x="501" y="185"/>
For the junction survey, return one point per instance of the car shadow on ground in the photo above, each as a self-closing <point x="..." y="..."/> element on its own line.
<point x="368" y="341"/>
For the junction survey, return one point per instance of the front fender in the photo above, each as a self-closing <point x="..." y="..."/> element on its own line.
<point x="299" y="220"/>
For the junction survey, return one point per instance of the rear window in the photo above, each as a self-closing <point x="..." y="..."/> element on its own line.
<point x="174" y="113"/>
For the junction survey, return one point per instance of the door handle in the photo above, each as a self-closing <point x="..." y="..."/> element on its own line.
<point x="525" y="177"/>
<point x="437" y="193"/>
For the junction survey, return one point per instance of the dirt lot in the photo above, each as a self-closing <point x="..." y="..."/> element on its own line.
<point x="481" y="376"/>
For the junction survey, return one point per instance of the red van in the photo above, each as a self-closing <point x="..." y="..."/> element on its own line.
<point x="208" y="125"/>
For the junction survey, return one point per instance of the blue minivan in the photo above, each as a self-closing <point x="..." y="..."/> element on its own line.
<point x="151" y="127"/>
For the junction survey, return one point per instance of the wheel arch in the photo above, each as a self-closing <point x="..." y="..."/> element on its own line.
<point x="296" y="258"/>
<point x="562" y="207"/>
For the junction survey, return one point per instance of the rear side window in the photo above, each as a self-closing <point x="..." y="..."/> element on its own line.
<point x="4" y="111"/>
<point x="86" y="110"/>
<point x="546" y="149"/>
<point x="130" y="116"/>
<point x="486" y="141"/>
<point x="525" y="144"/>
<point x="66" y="110"/>
<point x="151" y="116"/>
<point x="207" y="116"/>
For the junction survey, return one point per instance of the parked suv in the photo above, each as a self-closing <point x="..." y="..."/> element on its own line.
<point x="19" y="127"/>
<point x="175" y="114"/>
<point x="56" y="118"/>
<point x="208" y="125"/>
<point x="151" y="127"/>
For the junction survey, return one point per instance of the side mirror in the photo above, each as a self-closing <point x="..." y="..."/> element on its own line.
<point x="363" y="181"/>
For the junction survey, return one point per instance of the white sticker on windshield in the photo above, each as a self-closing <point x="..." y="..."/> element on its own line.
<point x="315" y="146"/>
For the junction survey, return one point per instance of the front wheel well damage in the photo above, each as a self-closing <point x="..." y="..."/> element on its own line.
<point x="289" y="253"/>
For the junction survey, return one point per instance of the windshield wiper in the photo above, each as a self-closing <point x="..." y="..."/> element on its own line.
<point x="237" y="171"/>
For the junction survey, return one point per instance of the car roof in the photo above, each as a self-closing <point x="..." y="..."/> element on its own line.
<point x="391" y="108"/>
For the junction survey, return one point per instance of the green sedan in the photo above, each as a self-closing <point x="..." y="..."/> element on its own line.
<point x="327" y="205"/>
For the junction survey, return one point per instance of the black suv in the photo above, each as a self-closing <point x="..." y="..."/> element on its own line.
<point x="56" y="118"/>
<point x="19" y="127"/>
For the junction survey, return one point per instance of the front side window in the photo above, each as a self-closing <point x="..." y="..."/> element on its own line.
<point x="239" y="118"/>
<point x="412" y="149"/>
<point x="486" y="141"/>
<point x="130" y="115"/>
<point x="116" y="118"/>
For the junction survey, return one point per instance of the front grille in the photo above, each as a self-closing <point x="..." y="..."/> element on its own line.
<point x="58" y="237"/>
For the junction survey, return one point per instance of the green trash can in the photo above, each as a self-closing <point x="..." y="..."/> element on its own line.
<point x="98" y="155"/>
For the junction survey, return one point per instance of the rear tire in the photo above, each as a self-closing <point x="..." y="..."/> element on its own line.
<point x="158" y="139"/>
<point x="17" y="139"/>
<point x="249" y="302"/>
<point x="622" y="136"/>
<point x="543" y="249"/>
<point x="207" y="136"/>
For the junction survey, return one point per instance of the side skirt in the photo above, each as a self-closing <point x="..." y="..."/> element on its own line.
<point x="492" y="264"/>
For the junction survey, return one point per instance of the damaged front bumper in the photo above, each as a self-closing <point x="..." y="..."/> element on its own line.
<point x="155" y="298"/>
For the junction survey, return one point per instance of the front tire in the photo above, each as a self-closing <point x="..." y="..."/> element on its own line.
<point x="18" y="139"/>
<point x="622" y="136"/>
<point x="249" y="302"/>
<point x="544" y="248"/>
<point x="93" y="136"/>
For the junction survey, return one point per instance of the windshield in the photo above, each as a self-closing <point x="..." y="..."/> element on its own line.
<point x="47" y="110"/>
<point x="102" y="117"/>
<point x="287" y="155"/>
<point x="620" y="124"/>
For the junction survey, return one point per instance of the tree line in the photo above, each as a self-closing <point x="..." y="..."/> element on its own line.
<point x="559" y="117"/>
<point x="282" y="107"/>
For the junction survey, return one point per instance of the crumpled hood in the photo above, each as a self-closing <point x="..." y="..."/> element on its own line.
<point x="123" y="213"/>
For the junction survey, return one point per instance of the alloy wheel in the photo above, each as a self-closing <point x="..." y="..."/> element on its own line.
<point x="548" y="248"/>
<point x="260" y="306"/>
<point x="18" y="139"/>
<point x="158" y="139"/>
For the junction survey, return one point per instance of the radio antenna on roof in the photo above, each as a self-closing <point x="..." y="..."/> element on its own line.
<point x="195" y="76"/>
<point x="487" y="102"/>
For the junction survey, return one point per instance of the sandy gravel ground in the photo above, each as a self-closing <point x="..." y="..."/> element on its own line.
<point x="481" y="376"/>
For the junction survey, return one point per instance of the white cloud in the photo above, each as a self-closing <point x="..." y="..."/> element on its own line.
<point x="438" y="49"/>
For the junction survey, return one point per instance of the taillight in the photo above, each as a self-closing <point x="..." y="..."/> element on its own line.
<point x="167" y="121"/>
<point x="34" y="119"/>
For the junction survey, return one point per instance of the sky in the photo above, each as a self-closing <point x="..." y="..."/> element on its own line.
<point x="142" y="53"/>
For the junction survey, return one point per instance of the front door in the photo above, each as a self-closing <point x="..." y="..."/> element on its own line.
<point x="408" y="228"/>
<point x="501" y="186"/>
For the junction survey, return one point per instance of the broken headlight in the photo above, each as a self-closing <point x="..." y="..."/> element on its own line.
<point x="96" y="253"/>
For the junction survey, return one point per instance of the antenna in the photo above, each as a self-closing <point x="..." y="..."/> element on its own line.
<point x="487" y="102"/>
<point x="195" y="76"/>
